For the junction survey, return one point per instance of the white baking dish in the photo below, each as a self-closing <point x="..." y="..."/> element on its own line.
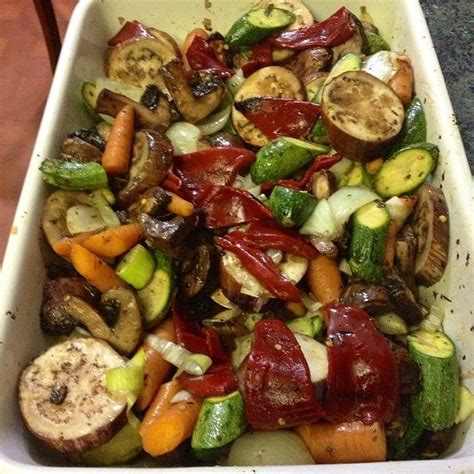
<point x="402" y="23"/>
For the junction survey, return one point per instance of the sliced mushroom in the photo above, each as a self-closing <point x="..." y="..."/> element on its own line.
<point x="127" y="330"/>
<point x="324" y="246"/>
<point x="110" y="103"/>
<point x="152" y="202"/>
<point x="402" y="298"/>
<point x="190" y="107"/>
<point x="245" y="290"/>
<point x="431" y="226"/>
<point x="55" y="210"/>
<point x="138" y="61"/>
<point x="409" y="374"/>
<point x="225" y="139"/>
<point x="152" y="156"/>
<point x="356" y="44"/>
<point x="63" y="397"/>
<point x="172" y="237"/>
<point x="322" y="184"/>
<point x="77" y="149"/>
<point x="373" y="298"/>
<point x="308" y="62"/>
<point x="272" y="81"/>
<point x="405" y="255"/>
<point x="90" y="135"/>
<point x="54" y="319"/>
<point x="361" y="114"/>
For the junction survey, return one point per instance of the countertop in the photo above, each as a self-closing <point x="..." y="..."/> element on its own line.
<point x="451" y="24"/>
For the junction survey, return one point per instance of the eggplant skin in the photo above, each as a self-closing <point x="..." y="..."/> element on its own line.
<point x="152" y="156"/>
<point x="374" y="299"/>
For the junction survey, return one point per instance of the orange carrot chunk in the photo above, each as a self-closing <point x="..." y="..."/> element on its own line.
<point x="118" y="150"/>
<point x="324" y="279"/>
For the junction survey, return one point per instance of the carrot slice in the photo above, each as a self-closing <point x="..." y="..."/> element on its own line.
<point x="345" y="442"/>
<point x="118" y="149"/>
<point x="324" y="279"/>
<point x="390" y="242"/>
<point x="115" y="241"/>
<point x="63" y="247"/>
<point x="179" y="206"/>
<point x="166" y="425"/>
<point x="94" y="270"/>
<point x="156" y="368"/>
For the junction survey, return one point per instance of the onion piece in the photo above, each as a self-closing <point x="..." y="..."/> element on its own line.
<point x="215" y="122"/>
<point x="83" y="218"/>
<point x="434" y="320"/>
<point x="345" y="267"/>
<point x="321" y="222"/>
<point x="269" y="448"/>
<point x="234" y="82"/>
<point x="184" y="137"/>
<point x="181" y="396"/>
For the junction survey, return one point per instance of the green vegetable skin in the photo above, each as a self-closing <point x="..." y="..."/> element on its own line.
<point x="73" y="176"/>
<point x="436" y="405"/>
<point x="89" y="94"/>
<point x="256" y="25"/>
<point x="220" y="421"/>
<point x="414" y="126"/>
<point x="291" y="207"/>
<point x="283" y="157"/>
<point x="376" y="43"/>
<point x="136" y="267"/>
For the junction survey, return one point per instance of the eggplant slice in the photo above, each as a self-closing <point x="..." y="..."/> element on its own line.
<point x="431" y="226"/>
<point x="63" y="397"/>
<point x="361" y="114"/>
<point x="152" y="156"/>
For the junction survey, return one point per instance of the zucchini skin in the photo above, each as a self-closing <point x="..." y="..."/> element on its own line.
<point x="291" y="207"/>
<point x="414" y="127"/>
<point x="436" y="405"/>
<point x="367" y="247"/>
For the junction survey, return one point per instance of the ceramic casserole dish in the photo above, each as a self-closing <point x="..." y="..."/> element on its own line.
<point x="402" y="23"/>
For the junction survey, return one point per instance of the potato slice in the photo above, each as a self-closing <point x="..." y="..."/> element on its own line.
<point x="361" y="114"/>
<point x="272" y="81"/>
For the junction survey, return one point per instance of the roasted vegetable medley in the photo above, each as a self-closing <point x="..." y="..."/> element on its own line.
<point x="236" y="246"/>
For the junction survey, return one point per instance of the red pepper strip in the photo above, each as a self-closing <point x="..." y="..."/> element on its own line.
<point x="321" y="162"/>
<point x="278" y="392"/>
<point x="261" y="266"/>
<point x="202" y="57"/>
<point x="130" y="30"/>
<point x="269" y="235"/>
<point x="277" y="117"/>
<point x="216" y="351"/>
<point x="261" y="57"/>
<point x="331" y="32"/>
<point x="217" y="381"/>
<point x="363" y="379"/>
<point x="173" y="183"/>
<point x="217" y="166"/>
<point x="225" y="206"/>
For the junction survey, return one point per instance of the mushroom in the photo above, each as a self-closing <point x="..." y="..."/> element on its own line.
<point x="76" y="149"/>
<point x="111" y="103"/>
<point x="63" y="397"/>
<point x="190" y="107"/>
<point x="308" y="62"/>
<point x="322" y="184"/>
<point x="54" y="319"/>
<point x="152" y="156"/>
<point x="127" y="330"/>
<point x="374" y="299"/>
<point x="152" y="202"/>
<point x="357" y="43"/>
<point x="405" y="255"/>
<point x="225" y="139"/>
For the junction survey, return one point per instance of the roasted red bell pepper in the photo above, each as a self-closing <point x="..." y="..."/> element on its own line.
<point x="262" y="267"/>
<point x="277" y="117"/>
<point x="278" y="392"/>
<point x="218" y="166"/>
<point x="217" y="381"/>
<point x="363" y="379"/>
<point x="225" y="206"/>
<point x="261" y="57"/>
<point x="321" y="162"/>
<point x="269" y="235"/>
<point x="196" y="339"/>
<point x="130" y="30"/>
<point x="202" y="57"/>
<point x="331" y="32"/>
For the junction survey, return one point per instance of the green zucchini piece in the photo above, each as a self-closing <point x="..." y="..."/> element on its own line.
<point x="220" y="421"/>
<point x="291" y="207"/>
<point x="367" y="247"/>
<point x="414" y="126"/>
<point x="318" y="132"/>
<point x="348" y="62"/>
<point x="375" y="43"/>
<point x="308" y="326"/>
<point x="89" y="93"/>
<point x="73" y="176"/>
<point x="391" y="323"/>
<point x="136" y="267"/>
<point x="436" y="405"/>
<point x="256" y="25"/>
<point x="406" y="170"/>
<point x="358" y="176"/>
<point x="156" y="296"/>
<point x="401" y="447"/>
<point x="283" y="157"/>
